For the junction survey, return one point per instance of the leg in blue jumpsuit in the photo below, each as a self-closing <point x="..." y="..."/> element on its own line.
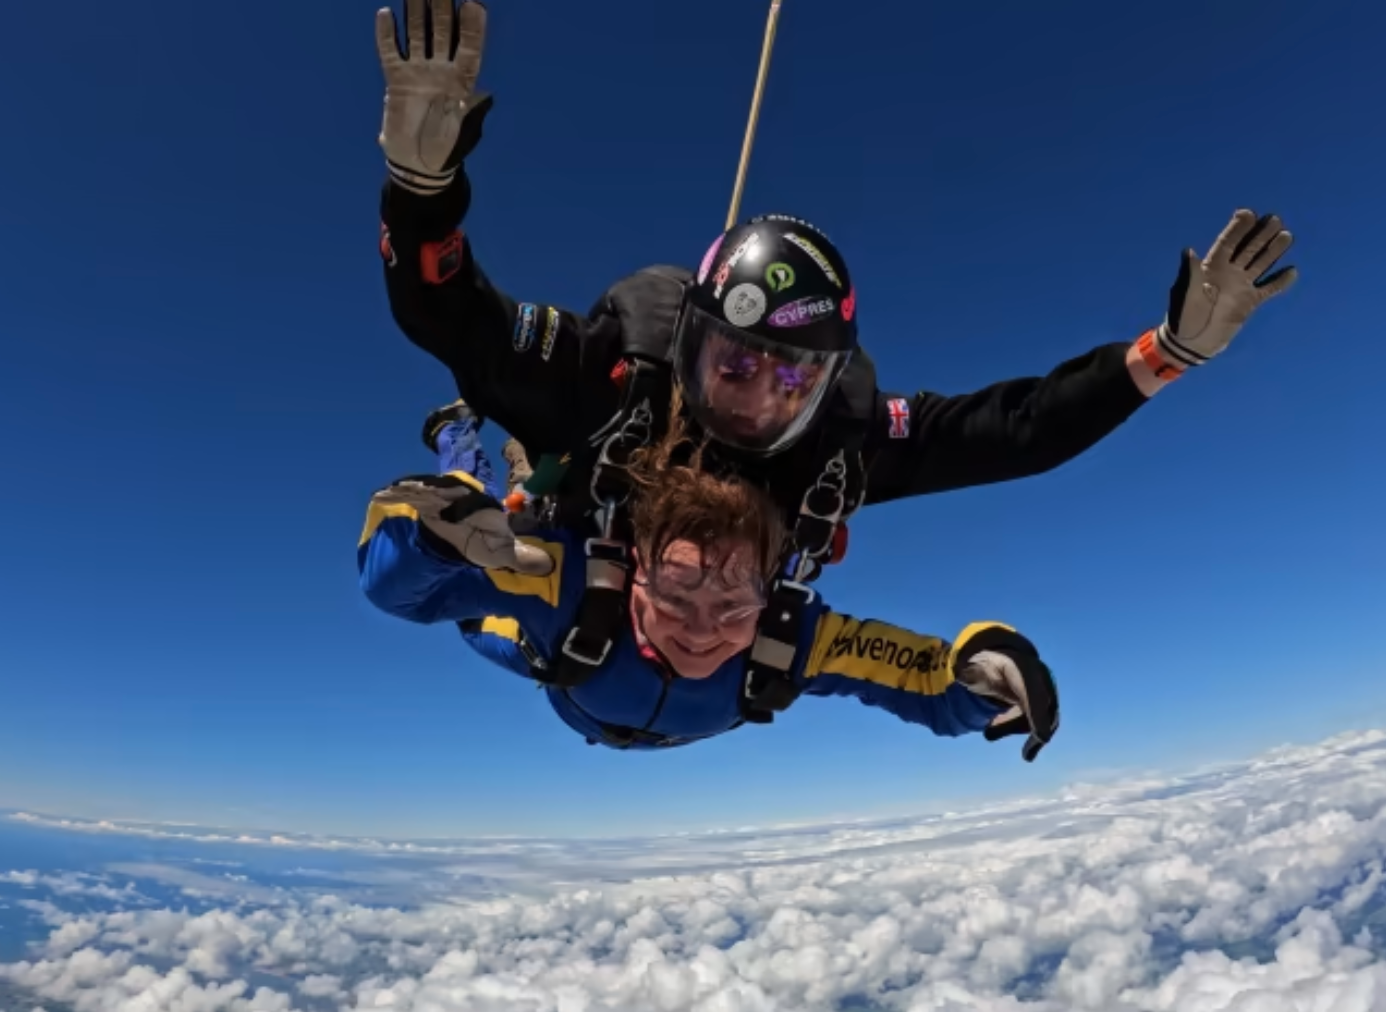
<point x="459" y="449"/>
<point x="458" y="443"/>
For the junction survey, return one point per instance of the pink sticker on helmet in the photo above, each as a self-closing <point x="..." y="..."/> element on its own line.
<point x="802" y="311"/>
<point x="707" y="258"/>
<point x="849" y="304"/>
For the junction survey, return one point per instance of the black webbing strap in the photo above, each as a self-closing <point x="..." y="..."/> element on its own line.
<point x="600" y="615"/>
<point x="834" y="495"/>
<point x="770" y="685"/>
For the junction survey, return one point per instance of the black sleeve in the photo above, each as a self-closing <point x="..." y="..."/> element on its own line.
<point x="535" y="369"/>
<point x="1022" y="427"/>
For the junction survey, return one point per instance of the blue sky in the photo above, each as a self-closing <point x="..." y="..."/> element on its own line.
<point x="202" y="384"/>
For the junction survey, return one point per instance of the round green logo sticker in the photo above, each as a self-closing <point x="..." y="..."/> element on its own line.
<point x="779" y="277"/>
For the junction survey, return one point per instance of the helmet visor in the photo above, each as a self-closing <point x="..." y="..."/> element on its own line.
<point x="746" y="391"/>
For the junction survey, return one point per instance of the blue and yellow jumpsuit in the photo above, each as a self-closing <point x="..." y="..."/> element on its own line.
<point x="633" y="701"/>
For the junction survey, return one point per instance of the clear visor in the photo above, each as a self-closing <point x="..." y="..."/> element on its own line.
<point x="747" y="392"/>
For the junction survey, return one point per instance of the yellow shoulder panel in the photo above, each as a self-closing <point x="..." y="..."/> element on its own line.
<point x="378" y="513"/>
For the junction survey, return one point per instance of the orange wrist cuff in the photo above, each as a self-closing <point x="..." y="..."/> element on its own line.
<point x="1149" y="350"/>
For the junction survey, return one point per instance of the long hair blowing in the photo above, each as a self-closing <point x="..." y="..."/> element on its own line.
<point x="676" y="499"/>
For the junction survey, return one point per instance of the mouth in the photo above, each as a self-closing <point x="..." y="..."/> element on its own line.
<point x="746" y="424"/>
<point x="694" y="651"/>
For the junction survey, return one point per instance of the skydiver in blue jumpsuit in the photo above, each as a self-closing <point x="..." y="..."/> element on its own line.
<point x="516" y="598"/>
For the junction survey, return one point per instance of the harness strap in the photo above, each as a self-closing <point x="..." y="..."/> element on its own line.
<point x="600" y="614"/>
<point x="836" y="494"/>
<point x="769" y="687"/>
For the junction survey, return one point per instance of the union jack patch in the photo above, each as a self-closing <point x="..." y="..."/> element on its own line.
<point x="899" y="409"/>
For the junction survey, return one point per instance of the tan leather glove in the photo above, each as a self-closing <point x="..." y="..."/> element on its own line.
<point x="1211" y="298"/>
<point x="467" y="521"/>
<point x="429" y="94"/>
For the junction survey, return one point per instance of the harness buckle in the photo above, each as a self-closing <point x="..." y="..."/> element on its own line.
<point x="636" y="427"/>
<point x="823" y="507"/>
<point x="576" y="653"/>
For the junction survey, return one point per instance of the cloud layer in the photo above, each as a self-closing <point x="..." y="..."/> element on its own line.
<point x="1253" y="889"/>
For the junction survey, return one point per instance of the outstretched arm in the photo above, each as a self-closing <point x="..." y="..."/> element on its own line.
<point x="990" y="679"/>
<point x="517" y="363"/>
<point x="930" y="443"/>
<point x="1023" y="427"/>
<point x="408" y="570"/>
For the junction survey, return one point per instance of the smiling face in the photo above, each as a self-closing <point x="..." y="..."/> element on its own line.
<point x="698" y="608"/>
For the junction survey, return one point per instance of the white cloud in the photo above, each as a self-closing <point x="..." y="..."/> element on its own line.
<point x="321" y="985"/>
<point x="1249" y="889"/>
<point x="72" y="884"/>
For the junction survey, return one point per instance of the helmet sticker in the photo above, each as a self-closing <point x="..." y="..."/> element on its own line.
<point x="779" y="277"/>
<point x="817" y="255"/>
<point x="849" y="305"/>
<point x="745" y="305"/>
<point x="724" y="272"/>
<point x="707" y="258"/>
<point x="802" y="311"/>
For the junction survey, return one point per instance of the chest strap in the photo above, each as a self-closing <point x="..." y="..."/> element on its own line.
<point x="836" y="494"/>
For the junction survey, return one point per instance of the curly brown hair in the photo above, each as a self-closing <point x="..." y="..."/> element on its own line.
<point x="676" y="499"/>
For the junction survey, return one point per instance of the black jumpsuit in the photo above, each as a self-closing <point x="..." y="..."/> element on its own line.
<point x="543" y="373"/>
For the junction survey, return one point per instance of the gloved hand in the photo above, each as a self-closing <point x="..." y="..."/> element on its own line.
<point x="1212" y="298"/>
<point x="1004" y="666"/>
<point x="431" y="92"/>
<point x="468" y="522"/>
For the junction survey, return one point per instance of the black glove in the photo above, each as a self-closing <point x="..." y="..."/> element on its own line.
<point x="1004" y="666"/>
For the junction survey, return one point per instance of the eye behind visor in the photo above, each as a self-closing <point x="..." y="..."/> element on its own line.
<point x="739" y="365"/>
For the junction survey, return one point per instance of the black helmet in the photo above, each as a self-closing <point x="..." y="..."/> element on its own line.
<point x="765" y="333"/>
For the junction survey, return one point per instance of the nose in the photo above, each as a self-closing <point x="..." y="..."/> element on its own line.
<point x="699" y="629"/>
<point x="753" y="399"/>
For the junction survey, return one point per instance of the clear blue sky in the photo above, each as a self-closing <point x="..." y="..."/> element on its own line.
<point x="201" y="384"/>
